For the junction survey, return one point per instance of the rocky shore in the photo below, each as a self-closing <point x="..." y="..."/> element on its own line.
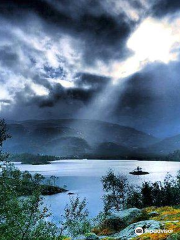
<point x="50" y="190"/>
<point x="121" y="225"/>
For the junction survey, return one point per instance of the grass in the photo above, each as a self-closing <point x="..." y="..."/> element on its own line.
<point x="170" y="218"/>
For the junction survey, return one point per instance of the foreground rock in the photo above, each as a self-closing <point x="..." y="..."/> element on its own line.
<point x="88" y="236"/>
<point x="120" y="219"/>
<point x="91" y="236"/>
<point x="129" y="232"/>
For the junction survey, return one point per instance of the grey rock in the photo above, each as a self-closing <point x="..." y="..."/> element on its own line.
<point x="80" y="237"/>
<point x="129" y="232"/>
<point x="91" y="236"/>
<point x="126" y="216"/>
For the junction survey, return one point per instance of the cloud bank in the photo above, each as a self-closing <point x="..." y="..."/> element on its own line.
<point x="59" y="58"/>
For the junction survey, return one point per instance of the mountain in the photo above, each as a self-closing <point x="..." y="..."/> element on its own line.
<point x="72" y="137"/>
<point x="165" y="146"/>
<point x="109" y="149"/>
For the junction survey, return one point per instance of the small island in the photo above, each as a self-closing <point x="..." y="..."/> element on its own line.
<point x="138" y="171"/>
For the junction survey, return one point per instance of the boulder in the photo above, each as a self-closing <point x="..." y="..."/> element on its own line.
<point x="80" y="237"/>
<point x="121" y="219"/>
<point x="129" y="232"/>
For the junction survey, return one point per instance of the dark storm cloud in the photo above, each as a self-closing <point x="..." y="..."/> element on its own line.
<point x="59" y="94"/>
<point x="151" y="100"/>
<point x="103" y="35"/>
<point x="6" y="101"/>
<point x="165" y="7"/>
<point x="60" y="102"/>
<point x="87" y="86"/>
<point x="8" y="57"/>
<point x="91" y="81"/>
<point x="97" y="32"/>
<point x="32" y="58"/>
<point x="136" y="4"/>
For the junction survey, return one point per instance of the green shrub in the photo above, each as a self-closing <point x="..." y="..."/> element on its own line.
<point x="119" y="194"/>
<point x="76" y="221"/>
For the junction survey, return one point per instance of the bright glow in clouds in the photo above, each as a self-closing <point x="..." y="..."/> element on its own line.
<point x="152" y="41"/>
<point x="65" y="84"/>
<point x="39" y="89"/>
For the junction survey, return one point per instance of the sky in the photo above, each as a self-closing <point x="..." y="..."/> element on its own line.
<point x="111" y="60"/>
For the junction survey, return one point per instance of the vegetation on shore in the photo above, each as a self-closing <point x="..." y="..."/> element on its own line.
<point x="171" y="217"/>
<point x="171" y="157"/>
<point x="27" y="158"/>
<point x="25" y="183"/>
<point x="119" y="194"/>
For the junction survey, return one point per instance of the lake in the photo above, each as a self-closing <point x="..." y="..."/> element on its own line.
<point x="83" y="177"/>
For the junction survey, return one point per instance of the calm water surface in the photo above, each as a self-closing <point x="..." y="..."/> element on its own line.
<point x="82" y="177"/>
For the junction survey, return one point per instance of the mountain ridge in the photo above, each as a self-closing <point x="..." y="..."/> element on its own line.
<point x="74" y="137"/>
<point x="165" y="146"/>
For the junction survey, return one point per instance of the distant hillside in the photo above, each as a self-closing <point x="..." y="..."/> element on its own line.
<point x="165" y="146"/>
<point x="109" y="149"/>
<point x="69" y="137"/>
